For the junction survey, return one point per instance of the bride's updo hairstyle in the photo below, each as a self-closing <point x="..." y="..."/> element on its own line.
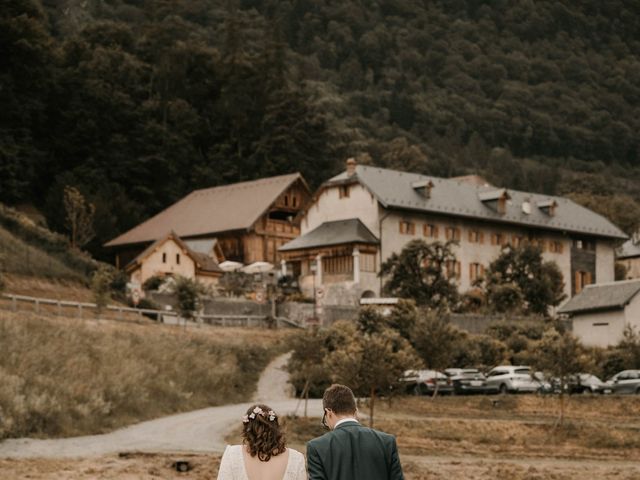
<point x="261" y="432"/>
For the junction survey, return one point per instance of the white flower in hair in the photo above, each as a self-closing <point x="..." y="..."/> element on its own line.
<point x="258" y="411"/>
<point x="245" y="419"/>
<point x="272" y="415"/>
<point x="252" y="416"/>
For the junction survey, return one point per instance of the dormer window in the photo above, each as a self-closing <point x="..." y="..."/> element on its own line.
<point x="548" y="207"/>
<point x="164" y="258"/>
<point x="344" y="191"/>
<point x="496" y="200"/>
<point x="423" y="188"/>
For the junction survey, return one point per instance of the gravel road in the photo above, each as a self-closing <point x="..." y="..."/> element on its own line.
<point x="198" y="431"/>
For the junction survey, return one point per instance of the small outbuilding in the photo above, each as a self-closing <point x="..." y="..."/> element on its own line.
<point x="601" y="312"/>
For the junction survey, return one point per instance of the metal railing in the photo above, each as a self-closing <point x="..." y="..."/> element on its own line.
<point x="81" y="311"/>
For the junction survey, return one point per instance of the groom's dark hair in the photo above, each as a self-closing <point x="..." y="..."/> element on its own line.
<point x="339" y="399"/>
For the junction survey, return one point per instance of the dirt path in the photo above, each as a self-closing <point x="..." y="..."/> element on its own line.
<point x="198" y="431"/>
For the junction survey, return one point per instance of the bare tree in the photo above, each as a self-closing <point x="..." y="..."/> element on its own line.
<point x="79" y="217"/>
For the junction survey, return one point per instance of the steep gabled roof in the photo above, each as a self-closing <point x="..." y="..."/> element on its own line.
<point x="212" y="210"/>
<point x="393" y="189"/>
<point x="602" y="297"/>
<point x="333" y="233"/>
<point x="629" y="249"/>
<point x="203" y="262"/>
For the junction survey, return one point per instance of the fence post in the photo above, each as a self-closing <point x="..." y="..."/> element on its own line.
<point x="14" y="303"/>
<point x="120" y="316"/>
<point x="37" y="307"/>
<point x="59" y="309"/>
<point x="80" y="311"/>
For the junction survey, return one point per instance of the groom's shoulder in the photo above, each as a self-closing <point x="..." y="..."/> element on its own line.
<point x="314" y="442"/>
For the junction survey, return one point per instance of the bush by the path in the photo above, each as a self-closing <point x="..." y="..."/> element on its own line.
<point x="65" y="378"/>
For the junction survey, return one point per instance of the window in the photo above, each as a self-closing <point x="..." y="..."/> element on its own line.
<point x="408" y="228"/>
<point x="344" y="191"/>
<point x="452" y="233"/>
<point x="517" y="240"/>
<point x="476" y="270"/>
<point x="476" y="236"/>
<point x="430" y="230"/>
<point x="584" y="244"/>
<point x="540" y="243"/>
<point x="341" y="265"/>
<point x="286" y="200"/>
<point x="294" y="201"/>
<point x="582" y="279"/>
<point x="498" y="239"/>
<point x="177" y="258"/>
<point x="164" y="258"/>
<point x="453" y="269"/>
<point x="367" y="262"/>
<point x="555" y="246"/>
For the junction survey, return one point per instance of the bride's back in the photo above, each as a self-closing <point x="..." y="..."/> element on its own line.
<point x="274" y="469"/>
<point x="263" y="454"/>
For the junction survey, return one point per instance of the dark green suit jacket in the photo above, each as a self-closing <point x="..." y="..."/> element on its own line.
<point x="353" y="452"/>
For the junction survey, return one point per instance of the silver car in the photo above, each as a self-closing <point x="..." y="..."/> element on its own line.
<point x="514" y="379"/>
<point x="627" y="381"/>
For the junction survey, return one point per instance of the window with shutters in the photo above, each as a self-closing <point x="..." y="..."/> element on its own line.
<point x="338" y="265"/>
<point x="517" y="240"/>
<point x="407" y="228"/>
<point x="452" y="233"/>
<point x="476" y="236"/>
<point x="453" y="269"/>
<point x="582" y="279"/>
<point x="555" y="246"/>
<point x="498" y="239"/>
<point x="476" y="270"/>
<point x="429" y="230"/>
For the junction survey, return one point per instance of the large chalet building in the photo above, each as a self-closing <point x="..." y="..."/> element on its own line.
<point x="245" y="222"/>
<point x="360" y="217"/>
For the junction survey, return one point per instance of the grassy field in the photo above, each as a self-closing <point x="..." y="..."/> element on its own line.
<point x="449" y="437"/>
<point x="64" y="377"/>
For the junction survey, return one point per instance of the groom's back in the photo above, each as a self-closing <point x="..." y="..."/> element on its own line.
<point x="353" y="452"/>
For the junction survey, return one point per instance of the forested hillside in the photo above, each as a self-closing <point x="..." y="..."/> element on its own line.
<point x="138" y="102"/>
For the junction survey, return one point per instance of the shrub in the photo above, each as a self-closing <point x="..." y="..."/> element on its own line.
<point x="153" y="282"/>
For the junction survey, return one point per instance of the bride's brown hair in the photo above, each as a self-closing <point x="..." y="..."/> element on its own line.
<point x="263" y="436"/>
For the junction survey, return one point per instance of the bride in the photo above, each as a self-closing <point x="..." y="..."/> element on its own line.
<point x="263" y="454"/>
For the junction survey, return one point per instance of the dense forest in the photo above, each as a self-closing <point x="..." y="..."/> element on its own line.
<point x="138" y="102"/>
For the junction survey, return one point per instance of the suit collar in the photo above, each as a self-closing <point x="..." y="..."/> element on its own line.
<point x="346" y="422"/>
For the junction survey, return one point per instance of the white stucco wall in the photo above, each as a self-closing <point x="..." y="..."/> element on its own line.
<point x="469" y="252"/>
<point x="329" y="207"/>
<point x="153" y="264"/>
<point x="633" y="267"/>
<point x="587" y="329"/>
<point x="632" y="313"/>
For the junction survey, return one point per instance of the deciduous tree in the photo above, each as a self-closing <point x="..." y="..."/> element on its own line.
<point x="419" y="272"/>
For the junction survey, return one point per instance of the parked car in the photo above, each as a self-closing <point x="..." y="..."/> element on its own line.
<point x="585" y="383"/>
<point x="469" y="380"/>
<point x="516" y="379"/>
<point x="627" y="381"/>
<point x="423" y="382"/>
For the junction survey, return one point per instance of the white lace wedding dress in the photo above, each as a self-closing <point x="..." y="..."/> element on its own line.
<point x="232" y="465"/>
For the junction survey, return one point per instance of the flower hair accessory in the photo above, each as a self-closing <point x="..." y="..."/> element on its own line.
<point x="271" y="415"/>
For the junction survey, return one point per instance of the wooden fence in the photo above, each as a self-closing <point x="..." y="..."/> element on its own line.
<point x="84" y="310"/>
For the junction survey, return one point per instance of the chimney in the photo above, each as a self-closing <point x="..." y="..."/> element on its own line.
<point x="351" y="166"/>
<point x="526" y="206"/>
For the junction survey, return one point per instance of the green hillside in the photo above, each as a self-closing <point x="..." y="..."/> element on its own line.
<point x="137" y="102"/>
<point x="30" y="250"/>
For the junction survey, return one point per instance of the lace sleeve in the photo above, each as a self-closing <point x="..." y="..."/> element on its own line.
<point x="299" y="471"/>
<point x="226" y="468"/>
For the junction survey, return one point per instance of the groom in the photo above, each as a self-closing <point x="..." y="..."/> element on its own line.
<point x="350" y="451"/>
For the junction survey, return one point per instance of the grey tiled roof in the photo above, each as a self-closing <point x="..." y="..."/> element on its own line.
<point x="628" y="249"/>
<point x="606" y="296"/>
<point x="393" y="189"/>
<point x="333" y="233"/>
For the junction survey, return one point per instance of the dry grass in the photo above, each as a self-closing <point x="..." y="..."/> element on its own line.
<point x="447" y="438"/>
<point x="63" y="377"/>
<point x="57" y="289"/>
